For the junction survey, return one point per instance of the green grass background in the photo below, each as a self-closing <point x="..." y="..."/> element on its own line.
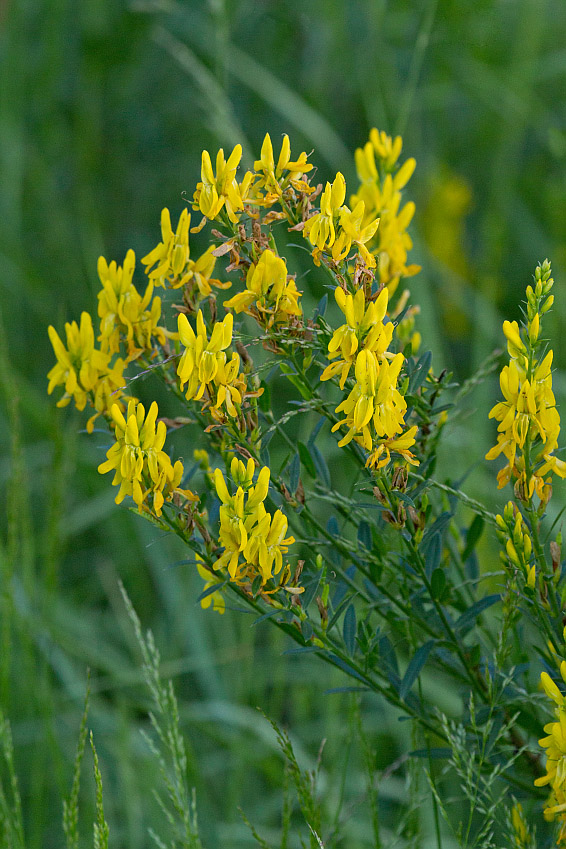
<point x="105" y="107"/>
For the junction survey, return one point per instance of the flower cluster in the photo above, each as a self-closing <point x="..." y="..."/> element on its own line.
<point x="170" y="264"/>
<point x="123" y="311"/>
<point x="84" y="371"/>
<point x="381" y="182"/>
<point x="374" y="409"/>
<point x="254" y="540"/>
<point x="529" y="423"/>
<point x="141" y="467"/>
<point x="220" y="191"/>
<point x="275" y="179"/>
<point x="555" y="745"/>
<point x="206" y="369"/>
<point x="270" y="295"/>
<point x="336" y="227"/>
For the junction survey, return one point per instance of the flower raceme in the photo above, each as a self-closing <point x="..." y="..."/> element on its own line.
<point x="555" y="745"/>
<point x="270" y="295"/>
<point x="140" y="465"/>
<point x="123" y="311"/>
<point x="529" y="423"/>
<point x="254" y="540"/>
<point x="380" y="191"/>
<point x="205" y="368"/>
<point x="83" y="370"/>
<point x="364" y="328"/>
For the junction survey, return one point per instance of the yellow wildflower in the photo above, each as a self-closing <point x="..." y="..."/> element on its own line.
<point x="254" y="540"/>
<point x="123" y="311"/>
<point x="555" y="745"/>
<point x="140" y="465"/>
<point x="320" y="228"/>
<point x="529" y="423"/>
<point x="380" y="191"/>
<point x="205" y="368"/>
<point x="273" y="178"/>
<point x="221" y="190"/>
<point x="170" y="261"/>
<point x="354" y="232"/>
<point x="83" y="370"/>
<point x="364" y="328"/>
<point x="270" y="296"/>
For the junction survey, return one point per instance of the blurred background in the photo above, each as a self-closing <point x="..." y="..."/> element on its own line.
<point x="105" y="107"/>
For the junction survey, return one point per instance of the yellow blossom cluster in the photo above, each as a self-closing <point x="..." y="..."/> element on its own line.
<point x="123" y="311"/>
<point x="270" y="295"/>
<point x="170" y="264"/>
<point x="274" y="179"/>
<point x="555" y="745"/>
<point x="141" y="466"/>
<point x="253" y="539"/>
<point x="206" y="369"/>
<point x="529" y="423"/>
<point x="336" y="227"/>
<point x="220" y="190"/>
<point x="84" y="371"/>
<point x="374" y="409"/>
<point x="381" y="182"/>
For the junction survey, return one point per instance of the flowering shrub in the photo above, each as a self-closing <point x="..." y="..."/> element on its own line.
<point x="381" y="579"/>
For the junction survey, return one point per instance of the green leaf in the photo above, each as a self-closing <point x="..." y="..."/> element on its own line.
<point x="295" y="473"/>
<point x="437" y="584"/>
<point x="264" y="400"/>
<point x="364" y="534"/>
<point x="346" y="667"/>
<point x="420" y="371"/>
<point x="306" y="459"/>
<point x="349" y="629"/>
<point x="468" y="618"/>
<point x="414" y="667"/>
<point x="209" y="590"/>
<point x="431" y="550"/>
<point x="321" y="465"/>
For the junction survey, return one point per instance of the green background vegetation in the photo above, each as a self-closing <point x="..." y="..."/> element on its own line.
<point x="104" y="110"/>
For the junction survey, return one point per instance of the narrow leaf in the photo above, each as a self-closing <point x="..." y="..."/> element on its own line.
<point x="414" y="667"/>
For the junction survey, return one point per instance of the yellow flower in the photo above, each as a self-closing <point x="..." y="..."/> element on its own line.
<point x="354" y="232"/>
<point x="555" y="745"/>
<point x="254" y="540"/>
<point x="123" y="311"/>
<point x="364" y="328"/>
<point x="374" y="398"/>
<point x="380" y="191"/>
<point x="320" y="228"/>
<point x="204" y="366"/>
<point x="273" y="178"/>
<point x="140" y="465"/>
<point x="83" y="370"/>
<point x="170" y="261"/>
<point x="529" y="423"/>
<point x="221" y="190"/>
<point x="269" y="295"/>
